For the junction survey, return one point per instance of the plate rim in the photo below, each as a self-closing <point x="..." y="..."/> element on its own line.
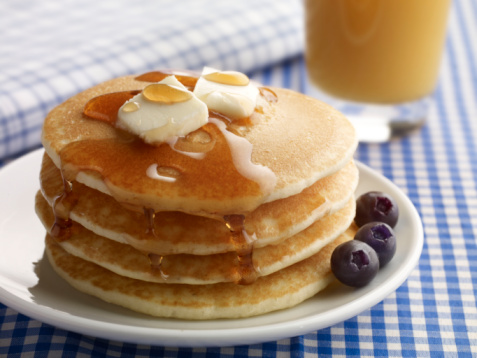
<point x="224" y="336"/>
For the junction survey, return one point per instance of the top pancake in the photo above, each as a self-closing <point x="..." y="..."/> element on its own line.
<point x="284" y="147"/>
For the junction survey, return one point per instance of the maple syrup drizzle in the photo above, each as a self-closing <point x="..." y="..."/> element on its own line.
<point x="231" y="78"/>
<point x="243" y="244"/>
<point x="268" y="94"/>
<point x="150" y="216"/>
<point x="105" y="107"/>
<point x="157" y="265"/>
<point x="98" y="155"/>
<point x="62" y="206"/>
<point x="154" y="259"/>
<point x="152" y="172"/>
<point x="241" y="150"/>
<point x="187" y="78"/>
<point x="172" y="143"/>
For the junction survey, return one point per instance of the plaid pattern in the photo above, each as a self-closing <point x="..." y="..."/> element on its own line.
<point x="433" y="314"/>
<point x="50" y="51"/>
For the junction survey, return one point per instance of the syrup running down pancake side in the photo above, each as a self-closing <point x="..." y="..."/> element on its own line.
<point x="206" y="153"/>
<point x="193" y="269"/>
<point x="177" y="232"/>
<point x="223" y="172"/>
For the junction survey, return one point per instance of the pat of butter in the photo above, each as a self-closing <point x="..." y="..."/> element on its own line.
<point x="163" y="110"/>
<point x="228" y="93"/>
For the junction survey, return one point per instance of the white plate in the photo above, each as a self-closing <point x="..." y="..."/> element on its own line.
<point x="29" y="285"/>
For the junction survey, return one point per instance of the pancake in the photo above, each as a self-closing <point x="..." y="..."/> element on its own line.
<point x="283" y="289"/>
<point x="192" y="269"/>
<point x="180" y="233"/>
<point x="288" y="144"/>
<point x="235" y="219"/>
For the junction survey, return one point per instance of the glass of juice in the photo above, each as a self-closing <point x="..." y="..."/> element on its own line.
<point x="377" y="61"/>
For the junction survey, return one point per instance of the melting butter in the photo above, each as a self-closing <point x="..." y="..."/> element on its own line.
<point x="228" y="93"/>
<point x="241" y="150"/>
<point x="162" y="111"/>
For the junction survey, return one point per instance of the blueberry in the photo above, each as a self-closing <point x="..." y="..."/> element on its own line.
<point x="376" y="206"/>
<point x="381" y="238"/>
<point x="354" y="263"/>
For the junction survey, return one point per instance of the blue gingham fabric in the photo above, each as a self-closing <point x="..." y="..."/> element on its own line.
<point x="50" y="50"/>
<point x="433" y="314"/>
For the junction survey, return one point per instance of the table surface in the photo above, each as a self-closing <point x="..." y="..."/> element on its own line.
<point x="432" y="314"/>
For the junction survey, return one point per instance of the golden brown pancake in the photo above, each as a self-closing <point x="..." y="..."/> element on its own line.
<point x="170" y="229"/>
<point x="296" y="139"/>
<point x="282" y="289"/>
<point x="177" y="232"/>
<point x="192" y="269"/>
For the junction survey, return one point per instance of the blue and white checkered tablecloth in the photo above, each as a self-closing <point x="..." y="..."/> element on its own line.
<point x="51" y="50"/>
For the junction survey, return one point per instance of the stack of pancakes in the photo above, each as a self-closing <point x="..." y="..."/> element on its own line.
<point x="236" y="219"/>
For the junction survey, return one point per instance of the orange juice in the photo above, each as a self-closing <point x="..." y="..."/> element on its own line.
<point x="379" y="51"/>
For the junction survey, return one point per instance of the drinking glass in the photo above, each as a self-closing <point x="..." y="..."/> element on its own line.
<point x="377" y="61"/>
